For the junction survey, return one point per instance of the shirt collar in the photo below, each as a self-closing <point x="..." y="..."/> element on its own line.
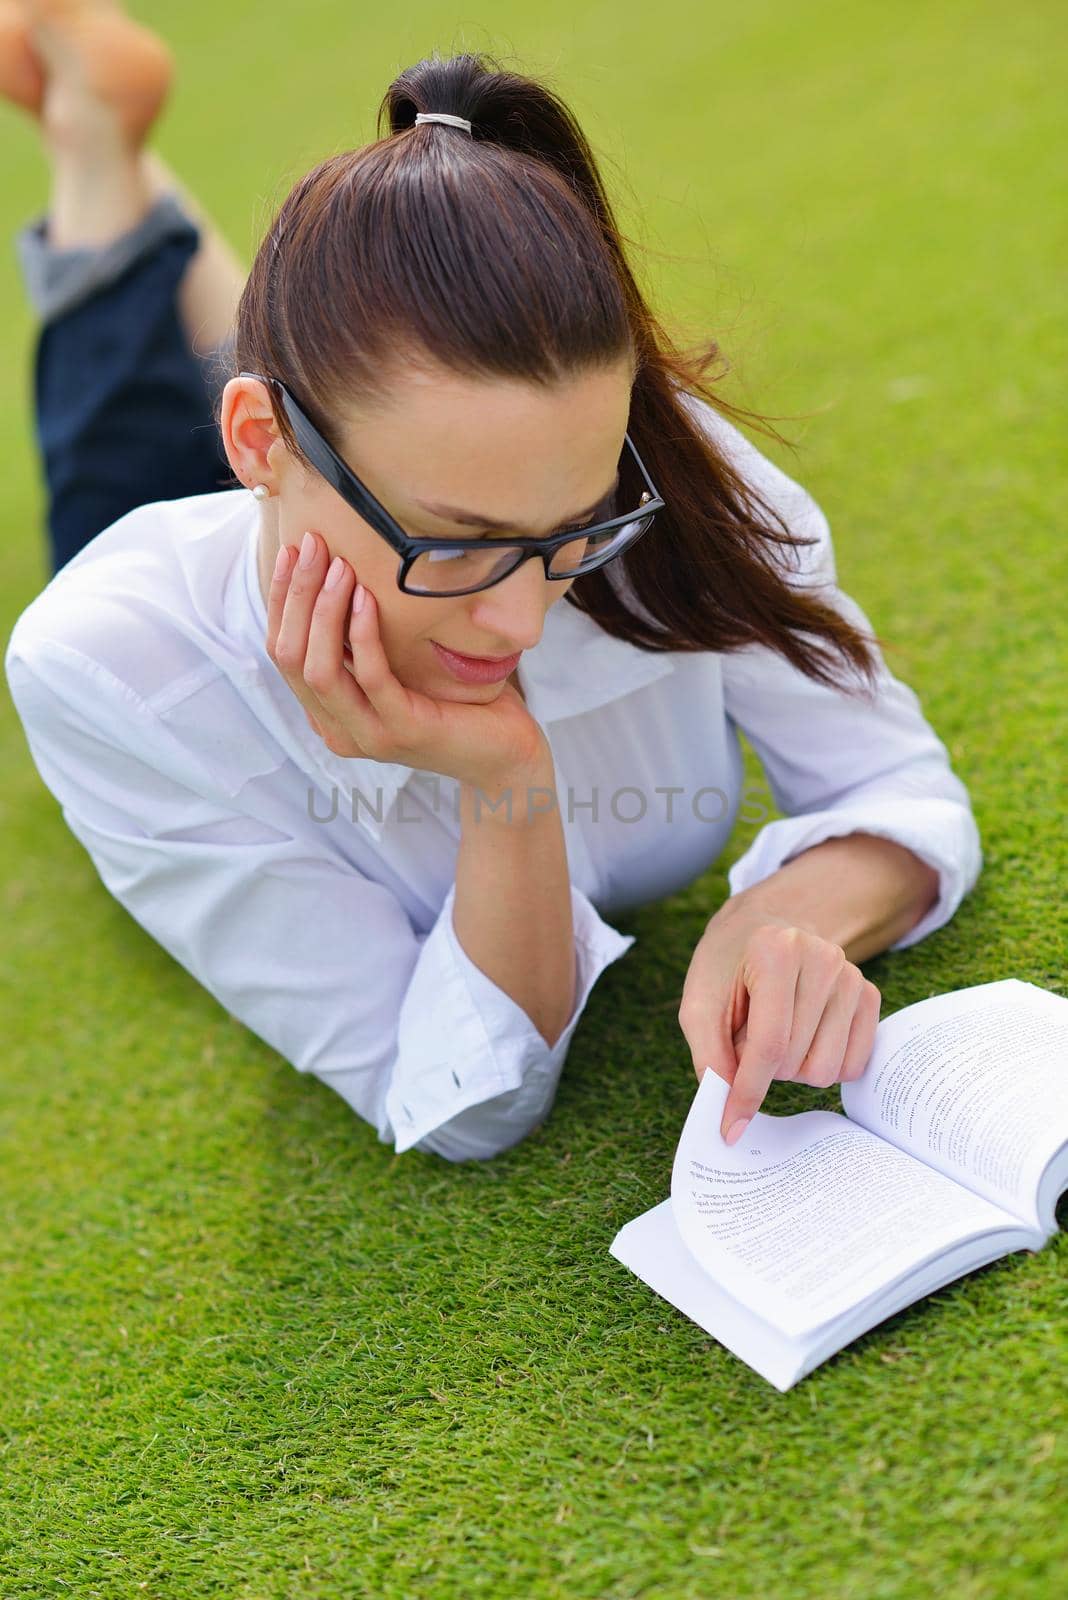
<point x="574" y="668"/>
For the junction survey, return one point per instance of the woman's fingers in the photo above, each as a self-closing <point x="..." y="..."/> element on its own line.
<point x="276" y="596"/>
<point x="845" y="1006"/>
<point x="304" y="582"/>
<point x="861" y="1040"/>
<point x="355" y="701"/>
<point x="771" y="969"/>
<point x="827" y="986"/>
<point x="293" y="638"/>
<point x="363" y="688"/>
<point x="804" y="998"/>
<point x="277" y="592"/>
<point x="765" y="999"/>
<point x="324" y="660"/>
<point x="822" y="1062"/>
<point x="390" y="700"/>
<point x="356" y="704"/>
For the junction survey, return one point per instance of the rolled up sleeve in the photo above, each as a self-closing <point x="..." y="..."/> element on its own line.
<point x="314" y="957"/>
<point x="480" y="1083"/>
<point x="840" y="763"/>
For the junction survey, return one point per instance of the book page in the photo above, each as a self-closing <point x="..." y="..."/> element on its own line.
<point x="651" y="1246"/>
<point x="974" y="1082"/>
<point x="808" y="1215"/>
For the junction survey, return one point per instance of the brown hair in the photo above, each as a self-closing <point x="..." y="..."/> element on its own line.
<point x="498" y="255"/>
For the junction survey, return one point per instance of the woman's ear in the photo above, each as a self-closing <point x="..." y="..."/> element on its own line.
<point x="249" y="431"/>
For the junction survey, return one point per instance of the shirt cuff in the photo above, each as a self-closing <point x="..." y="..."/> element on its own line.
<point x="464" y="1043"/>
<point x="941" y="832"/>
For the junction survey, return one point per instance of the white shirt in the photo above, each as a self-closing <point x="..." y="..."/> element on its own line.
<point x="187" y="769"/>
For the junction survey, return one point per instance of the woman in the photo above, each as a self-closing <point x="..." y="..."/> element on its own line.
<point x="447" y="409"/>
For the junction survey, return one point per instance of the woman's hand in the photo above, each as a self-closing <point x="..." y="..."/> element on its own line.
<point x="765" y="998"/>
<point x="358" y="707"/>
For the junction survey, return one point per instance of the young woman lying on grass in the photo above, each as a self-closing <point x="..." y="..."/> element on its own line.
<point x="373" y="739"/>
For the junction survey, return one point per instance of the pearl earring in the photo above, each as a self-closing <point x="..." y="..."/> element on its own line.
<point x="262" y="492"/>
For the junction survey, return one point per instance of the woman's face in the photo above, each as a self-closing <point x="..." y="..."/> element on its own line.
<point x="536" y="460"/>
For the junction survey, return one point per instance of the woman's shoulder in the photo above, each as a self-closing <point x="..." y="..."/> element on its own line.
<point x="140" y="651"/>
<point x="145" y="602"/>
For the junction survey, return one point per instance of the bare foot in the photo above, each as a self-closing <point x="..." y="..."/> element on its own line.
<point x="91" y="61"/>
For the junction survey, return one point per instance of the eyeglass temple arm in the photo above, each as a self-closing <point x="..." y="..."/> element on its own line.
<point x="650" y="485"/>
<point x="325" y="459"/>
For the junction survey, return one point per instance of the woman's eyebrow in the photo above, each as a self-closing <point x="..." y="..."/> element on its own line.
<point x="473" y="520"/>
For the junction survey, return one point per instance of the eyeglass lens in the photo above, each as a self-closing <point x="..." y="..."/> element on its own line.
<point x="447" y="572"/>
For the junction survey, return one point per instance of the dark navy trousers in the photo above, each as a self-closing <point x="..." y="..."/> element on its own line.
<point x="123" y="405"/>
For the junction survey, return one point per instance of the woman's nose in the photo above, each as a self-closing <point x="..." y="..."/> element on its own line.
<point x="513" y="611"/>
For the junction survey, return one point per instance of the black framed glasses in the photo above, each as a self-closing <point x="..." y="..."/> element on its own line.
<point x="444" y="567"/>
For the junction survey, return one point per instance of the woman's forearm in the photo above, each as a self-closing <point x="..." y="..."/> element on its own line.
<point x="860" y="891"/>
<point x="512" y="908"/>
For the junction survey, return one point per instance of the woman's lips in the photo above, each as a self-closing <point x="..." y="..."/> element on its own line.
<point x="475" y="669"/>
<point x="468" y="669"/>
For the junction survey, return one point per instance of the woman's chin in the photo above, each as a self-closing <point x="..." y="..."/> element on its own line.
<point x="475" y="694"/>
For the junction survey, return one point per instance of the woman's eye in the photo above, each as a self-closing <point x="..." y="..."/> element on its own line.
<point x="476" y="539"/>
<point x="444" y="555"/>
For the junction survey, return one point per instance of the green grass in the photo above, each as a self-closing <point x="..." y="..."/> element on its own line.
<point x="249" y="1353"/>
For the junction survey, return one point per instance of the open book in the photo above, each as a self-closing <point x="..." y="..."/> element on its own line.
<point x="813" y="1228"/>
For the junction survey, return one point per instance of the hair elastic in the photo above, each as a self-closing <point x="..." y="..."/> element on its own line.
<point x="443" y="116"/>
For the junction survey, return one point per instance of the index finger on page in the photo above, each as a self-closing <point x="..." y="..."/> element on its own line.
<point x="769" y="1024"/>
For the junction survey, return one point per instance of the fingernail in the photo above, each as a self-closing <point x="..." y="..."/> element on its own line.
<point x="334" y="571"/>
<point x="281" y="565"/>
<point x="357" y="604"/>
<point x="736" y="1129"/>
<point x="307" y="550"/>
